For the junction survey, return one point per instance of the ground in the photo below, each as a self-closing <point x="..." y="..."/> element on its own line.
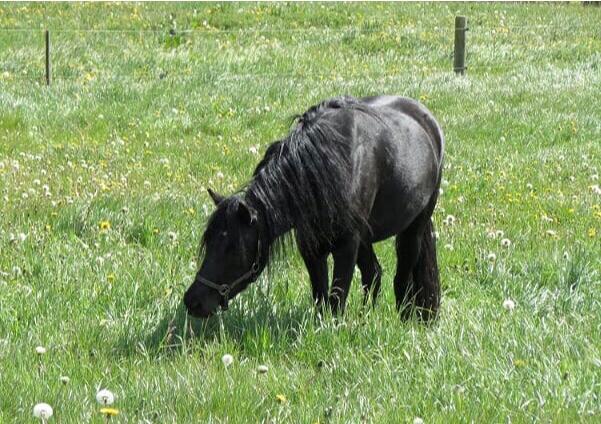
<point x="103" y="203"/>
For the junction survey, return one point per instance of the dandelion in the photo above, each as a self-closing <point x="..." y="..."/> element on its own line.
<point x="220" y="175"/>
<point x="596" y="189"/>
<point x="42" y="411"/>
<point x="491" y="257"/>
<point x="146" y="184"/>
<point x="592" y="232"/>
<point x="64" y="379"/>
<point x="262" y="369"/>
<point x="104" y="225"/>
<point x="448" y="246"/>
<point x="499" y="233"/>
<point x="227" y="359"/>
<point x="172" y="236"/>
<point x="418" y="420"/>
<point x="281" y="398"/>
<point x="105" y="397"/>
<point x="551" y="233"/>
<point x="519" y="363"/>
<point x="595" y="177"/>
<point x="254" y="150"/>
<point x="529" y="186"/>
<point x="508" y="304"/>
<point x="40" y="350"/>
<point x="506" y="243"/>
<point x="109" y="412"/>
<point x="124" y="209"/>
<point x="449" y="220"/>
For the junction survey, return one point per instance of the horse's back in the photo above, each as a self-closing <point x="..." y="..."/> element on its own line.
<point x="408" y="157"/>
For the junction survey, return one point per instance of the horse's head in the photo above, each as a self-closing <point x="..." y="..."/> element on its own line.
<point x="233" y="256"/>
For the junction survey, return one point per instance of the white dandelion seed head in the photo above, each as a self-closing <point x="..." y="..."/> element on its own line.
<point x="172" y="236"/>
<point x="36" y="182"/>
<point x="146" y="183"/>
<point x="491" y="257"/>
<point x="508" y="304"/>
<point x="262" y="369"/>
<point x="596" y="189"/>
<point x="594" y="177"/>
<point x="254" y="150"/>
<point x="506" y="242"/>
<point x="418" y="420"/>
<point x="40" y="350"/>
<point x="227" y="359"/>
<point x="449" y="220"/>
<point x="64" y="379"/>
<point x="499" y="233"/>
<point x="17" y="271"/>
<point x="448" y="246"/>
<point x="529" y="186"/>
<point x="220" y="175"/>
<point x="105" y="397"/>
<point x="42" y="411"/>
<point x="124" y="209"/>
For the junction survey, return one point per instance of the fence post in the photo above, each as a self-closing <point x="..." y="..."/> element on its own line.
<point x="47" y="37"/>
<point x="460" y="30"/>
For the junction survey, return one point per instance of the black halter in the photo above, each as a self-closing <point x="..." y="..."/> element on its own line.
<point x="225" y="289"/>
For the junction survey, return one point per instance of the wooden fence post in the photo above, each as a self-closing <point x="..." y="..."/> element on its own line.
<point x="460" y="30"/>
<point x="47" y="37"/>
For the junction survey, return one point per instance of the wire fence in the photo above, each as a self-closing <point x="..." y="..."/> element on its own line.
<point x="68" y="66"/>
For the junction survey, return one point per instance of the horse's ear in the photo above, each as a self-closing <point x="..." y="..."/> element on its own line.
<point x="217" y="198"/>
<point x="246" y="214"/>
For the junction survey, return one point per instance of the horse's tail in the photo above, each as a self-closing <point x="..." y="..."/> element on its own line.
<point x="425" y="274"/>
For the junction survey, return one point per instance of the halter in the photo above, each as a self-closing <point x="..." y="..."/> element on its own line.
<point x="225" y="289"/>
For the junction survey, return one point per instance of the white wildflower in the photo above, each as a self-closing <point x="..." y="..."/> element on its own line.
<point x="491" y="257"/>
<point x="262" y="369"/>
<point x="506" y="242"/>
<point x="227" y="359"/>
<point x="508" y="304"/>
<point x="40" y="350"/>
<point x="42" y="411"/>
<point x="105" y="397"/>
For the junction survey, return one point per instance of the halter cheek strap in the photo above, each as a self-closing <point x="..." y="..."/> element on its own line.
<point x="225" y="289"/>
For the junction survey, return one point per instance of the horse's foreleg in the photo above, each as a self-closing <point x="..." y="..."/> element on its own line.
<point x="345" y="258"/>
<point x="317" y="266"/>
<point x="371" y="272"/>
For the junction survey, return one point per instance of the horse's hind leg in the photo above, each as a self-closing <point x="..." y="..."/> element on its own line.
<point x="371" y="272"/>
<point x="417" y="281"/>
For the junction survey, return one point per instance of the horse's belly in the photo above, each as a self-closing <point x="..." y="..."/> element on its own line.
<point x="392" y="213"/>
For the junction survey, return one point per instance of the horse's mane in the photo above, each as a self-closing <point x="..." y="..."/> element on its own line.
<point x="303" y="181"/>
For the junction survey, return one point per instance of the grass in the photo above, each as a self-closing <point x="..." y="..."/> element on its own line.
<point x="137" y="124"/>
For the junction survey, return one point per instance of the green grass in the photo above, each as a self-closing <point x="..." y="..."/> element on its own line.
<point x="137" y="124"/>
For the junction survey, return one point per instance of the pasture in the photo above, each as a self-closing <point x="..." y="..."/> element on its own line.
<point x="103" y="178"/>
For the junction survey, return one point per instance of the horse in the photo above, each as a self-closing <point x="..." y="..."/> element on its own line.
<point x="350" y="173"/>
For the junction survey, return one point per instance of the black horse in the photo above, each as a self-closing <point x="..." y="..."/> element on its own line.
<point x="351" y="172"/>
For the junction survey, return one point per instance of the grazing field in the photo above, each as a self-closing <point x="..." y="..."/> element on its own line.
<point x="103" y="202"/>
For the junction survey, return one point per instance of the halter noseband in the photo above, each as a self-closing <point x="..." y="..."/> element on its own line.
<point x="225" y="289"/>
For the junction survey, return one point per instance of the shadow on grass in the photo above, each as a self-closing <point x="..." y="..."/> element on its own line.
<point x="265" y="328"/>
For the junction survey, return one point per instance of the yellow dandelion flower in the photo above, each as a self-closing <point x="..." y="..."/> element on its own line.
<point x="592" y="232"/>
<point x="110" y="278"/>
<point x="281" y="398"/>
<point x="109" y="412"/>
<point x="104" y="225"/>
<point x="519" y="363"/>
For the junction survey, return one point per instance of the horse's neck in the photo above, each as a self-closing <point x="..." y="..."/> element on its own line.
<point x="274" y="223"/>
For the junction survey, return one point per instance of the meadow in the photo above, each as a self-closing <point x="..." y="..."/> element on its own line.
<point x="103" y="201"/>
